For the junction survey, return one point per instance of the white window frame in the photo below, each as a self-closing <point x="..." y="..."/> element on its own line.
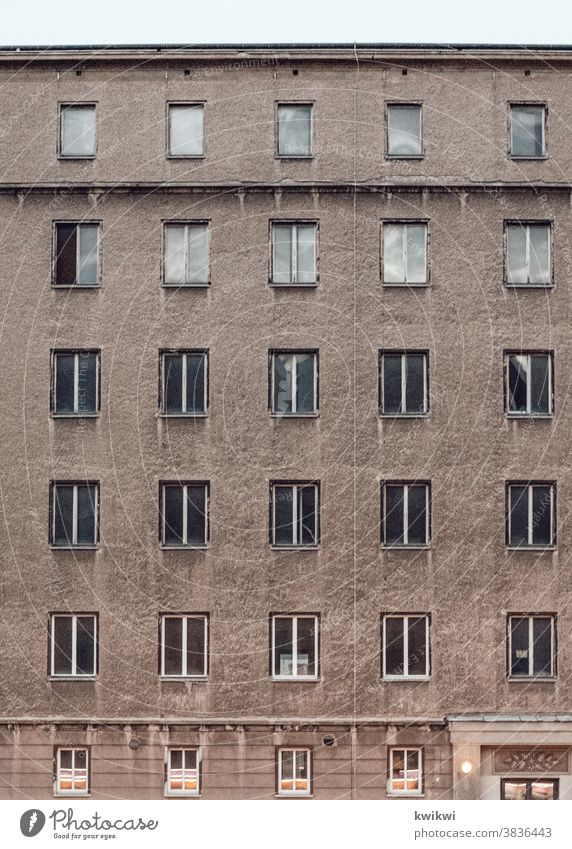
<point x="404" y="355"/>
<point x="515" y="414"/>
<point x="406" y="543"/>
<point x="74" y="543"/>
<point x="84" y="106"/>
<point x="531" y="675"/>
<point x="530" y="527"/>
<point x="185" y="543"/>
<point x="77" y="354"/>
<point x="524" y="105"/>
<point x="79" y="226"/>
<point x="294" y="103"/>
<point x="58" y="790"/>
<point x="294" y="251"/>
<point x="294" y="620"/>
<point x="390" y="780"/>
<point x="405" y="225"/>
<point x="296" y="519"/>
<point x="297" y="752"/>
<point x="526" y="225"/>
<point x="184" y="770"/>
<point x="184" y="354"/>
<point x="191" y="104"/>
<point x="183" y="618"/>
<point x="294" y="355"/>
<point x="405" y="617"/>
<point x="188" y="225"/>
<point x="74" y="617"/>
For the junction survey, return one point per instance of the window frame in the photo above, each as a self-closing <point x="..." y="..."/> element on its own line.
<point x="526" y="223"/>
<point x="89" y="222"/>
<point x="277" y="105"/>
<point x="553" y="515"/>
<point x="184" y="676"/>
<point x="308" y="755"/>
<point x="184" y="483"/>
<point x="428" y="658"/>
<point x="510" y="414"/>
<point x="272" y="353"/>
<point x="397" y="156"/>
<point x="55" y="352"/>
<point x="317" y="645"/>
<point x="72" y="676"/>
<point x="57" y="770"/>
<point x="428" y="503"/>
<point x="163" y="353"/>
<point x="517" y="779"/>
<point x="195" y="103"/>
<point x="315" y="223"/>
<point x="405" y="749"/>
<point x="80" y="104"/>
<point x="404" y="353"/>
<point x="74" y="546"/>
<point x="296" y="546"/>
<point x="404" y="222"/>
<point x="166" y="222"/>
<point x="168" y="792"/>
<point x="531" y="677"/>
<point x="541" y="104"/>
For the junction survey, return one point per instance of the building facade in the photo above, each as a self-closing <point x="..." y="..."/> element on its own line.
<point x="285" y="422"/>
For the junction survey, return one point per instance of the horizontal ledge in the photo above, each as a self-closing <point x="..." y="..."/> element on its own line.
<point x="227" y="720"/>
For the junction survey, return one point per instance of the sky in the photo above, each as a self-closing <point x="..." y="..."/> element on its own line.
<point x="46" y="22"/>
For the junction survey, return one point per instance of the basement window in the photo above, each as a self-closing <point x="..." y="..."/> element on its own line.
<point x="294" y="647"/>
<point x="183" y="772"/>
<point x="531" y="646"/>
<point x="184" y="383"/>
<point x="294" y="514"/>
<point x="405" y="772"/>
<point x="75" y="383"/>
<point x="187" y="250"/>
<point x="74" y="519"/>
<point x="294" y="383"/>
<point x="184" y="515"/>
<point x="73" y="645"/>
<point x="77" y="255"/>
<point x="184" y="646"/>
<point x="72" y="772"/>
<point x="77" y="131"/>
<point x="531" y="519"/>
<point x="536" y="789"/>
<point x="294" y="772"/>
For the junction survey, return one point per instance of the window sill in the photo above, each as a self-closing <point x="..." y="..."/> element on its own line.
<point x="87" y="286"/>
<point x="175" y="156"/>
<point x="185" y="285"/>
<point x="286" y="156"/>
<point x="75" y="415"/>
<point x="404" y="156"/>
<point x="72" y="677"/>
<point x="515" y="417"/>
<point x="183" y="415"/>
<point x="406" y="678"/>
<point x="405" y="795"/>
<point x="529" y="285"/>
<point x="531" y="679"/>
<point x="404" y="415"/>
<point x="71" y="795"/>
<point x="74" y="547"/>
<point x="89" y="157"/>
<point x="182" y="795"/>
<point x="295" y="547"/>
<point x="200" y="679"/>
<point x="293" y="795"/>
<point x="292" y="285"/>
<point x="295" y="415"/>
<point x="296" y="679"/>
<point x="540" y="158"/>
<point x="425" y="547"/>
<point x="184" y="547"/>
<point x="531" y="548"/>
<point x="405" y="285"/>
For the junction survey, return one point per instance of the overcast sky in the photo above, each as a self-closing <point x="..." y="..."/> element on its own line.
<point x="44" y="22"/>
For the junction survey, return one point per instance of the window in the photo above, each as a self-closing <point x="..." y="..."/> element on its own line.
<point x="405" y="772"/>
<point x="186" y="129"/>
<point x="187" y="248"/>
<point x="294" y="383"/>
<point x="405" y="650"/>
<point x="531" y="646"/>
<point x="73" y="645"/>
<point x="528" y="254"/>
<point x="403" y="383"/>
<point x="294" y="253"/>
<point x="404" y="134"/>
<point x="74" y="520"/>
<point x="183" y="772"/>
<point x="405" y="253"/>
<point x="531" y="515"/>
<point x="75" y="383"/>
<point x="184" y="646"/>
<point x="294" y="772"/>
<point x="184" y="383"/>
<point x="405" y="512"/>
<point x="294" y="518"/>
<point x="294" y="129"/>
<point x="77" y="130"/>
<point x="77" y="255"/>
<point x="72" y="773"/>
<point x="527" y="130"/>
<point x="529" y="788"/>
<point x="184" y="520"/>
<point x="529" y="384"/>
<point x="295" y="647"/>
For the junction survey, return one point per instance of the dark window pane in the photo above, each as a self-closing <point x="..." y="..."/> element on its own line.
<point x="417" y="515"/>
<point x="287" y="765"/>
<point x="394" y="646"/>
<point x="64" y="400"/>
<point x="415" y="384"/>
<point x="66" y="254"/>
<point x="540" y="389"/>
<point x="195" y="646"/>
<point x="308" y="514"/>
<point x="66" y="757"/>
<point x="173" y="401"/>
<point x="518" y="515"/>
<point x="306" y="647"/>
<point x="305" y="402"/>
<point x="85" y="641"/>
<point x="282" y="402"/>
<point x="392" y="383"/>
<point x="196" y="515"/>
<point x="417" y="646"/>
<point x="394" y="515"/>
<point x="541" y="515"/>
<point x="87" y="383"/>
<point x="514" y="790"/>
<point x="173" y="517"/>
<point x="63" y="515"/>
<point x="62" y="664"/>
<point x="517" y="380"/>
<point x="173" y="649"/>
<point x="176" y="758"/>
<point x="196" y="383"/>
<point x="542" y="636"/>
<point x="519" y="646"/>
<point x="283" y="655"/>
<point x="283" y="515"/>
<point x="86" y="503"/>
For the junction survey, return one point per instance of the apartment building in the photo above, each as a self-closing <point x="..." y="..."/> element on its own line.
<point x="286" y="419"/>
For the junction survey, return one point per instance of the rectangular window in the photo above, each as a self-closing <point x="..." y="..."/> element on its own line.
<point x="531" y="646"/>
<point x="184" y="646"/>
<point x="77" y="255"/>
<point x="73" y="645"/>
<point x="294" y="253"/>
<point x="405" y="253"/>
<point x="294" y="383"/>
<point x="528" y="254"/>
<point x="75" y="383"/>
<point x="405" y="772"/>
<point x="77" y="130"/>
<point x="405" y="511"/>
<point x="74" y="519"/>
<point x="183" y="772"/>
<point x="404" y="384"/>
<point x="184" y="387"/>
<point x="405" y="646"/>
<point x="529" y="384"/>
<point x="529" y="788"/>
<point x="294" y="647"/>
<point x="184" y="519"/>
<point x="187" y="250"/>
<point x="294" y="129"/>
<point x="294" y="517"/>
<point x="294" y="772"/>
<point x="404" y="133"/>
<point x="72" y="772"/>
<point x="186" y="136"/>
<point x="527" y="130"/>
<point x="531" y="517"/>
